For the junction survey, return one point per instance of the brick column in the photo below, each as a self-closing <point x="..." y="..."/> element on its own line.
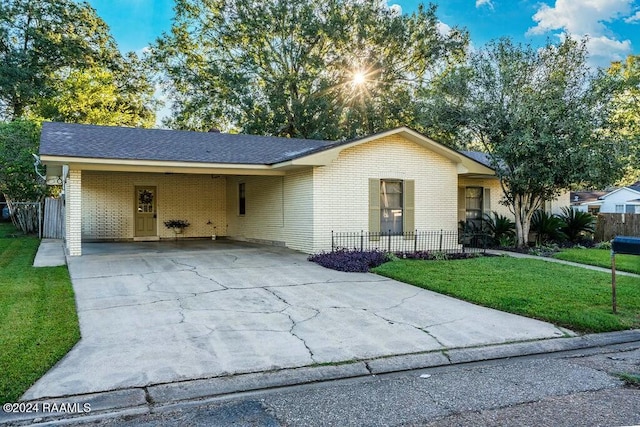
<point x="74" y="212"/>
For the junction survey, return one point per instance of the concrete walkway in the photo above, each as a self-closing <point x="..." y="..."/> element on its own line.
<point x="560" y="261"/>
<point x="50" y="254"/>
<point x="181" y="312"/>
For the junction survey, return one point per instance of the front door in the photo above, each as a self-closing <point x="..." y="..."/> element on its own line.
<point x="145" y="214"/>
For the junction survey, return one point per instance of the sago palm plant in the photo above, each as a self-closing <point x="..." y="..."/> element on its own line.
<point x="576" y="225"/>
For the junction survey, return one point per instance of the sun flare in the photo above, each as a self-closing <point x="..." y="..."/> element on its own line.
<point x="358" y="78"/>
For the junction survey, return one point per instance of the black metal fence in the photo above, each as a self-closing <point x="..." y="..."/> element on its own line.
<point x="408" y="242"/>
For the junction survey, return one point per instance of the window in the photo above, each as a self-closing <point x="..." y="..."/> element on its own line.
<point x="242" y="201"/>
<point x="391" y="206"/>
<point x="473" y="203"/>
<point x="619" y="208"/>
<point x="630" y="209"/>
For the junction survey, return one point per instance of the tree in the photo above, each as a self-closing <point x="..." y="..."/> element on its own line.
<point x="300" y="68"/>
<point x="626" y="110"/>
<point x="37" y="39"/>
<point x="100" y="96"/>
<point x="541" y="116"/>
<point x="18" y="180"/>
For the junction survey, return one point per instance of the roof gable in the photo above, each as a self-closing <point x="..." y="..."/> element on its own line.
<point x="632" y="190"/>
<point x="329" y="153"/>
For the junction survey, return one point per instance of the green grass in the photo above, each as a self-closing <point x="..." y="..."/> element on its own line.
<point x="571" y="297"/>
<point x="632" y="380"/>
<point x="601" y="258"/>
<point x="38" y="320"/>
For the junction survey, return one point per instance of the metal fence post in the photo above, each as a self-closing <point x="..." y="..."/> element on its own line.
<point x="361" y="240"/>
<point x="389" y="237"/>
<point x="415" y="241"/>
<point x="333" y="246"/>
<point x="440" y="240"/>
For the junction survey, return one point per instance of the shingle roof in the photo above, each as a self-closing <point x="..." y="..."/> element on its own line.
<point x="108" y="142"/>
<point x="585" y="196"/>
<point x="479" y="157"/>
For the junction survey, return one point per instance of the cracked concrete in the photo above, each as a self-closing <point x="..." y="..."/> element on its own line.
<point x="180" y="312"/>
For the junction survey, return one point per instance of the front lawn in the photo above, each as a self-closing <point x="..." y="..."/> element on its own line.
<point x="38" y="321"/>
<point x="601" y="258"/>
<point x="571" y="297"/>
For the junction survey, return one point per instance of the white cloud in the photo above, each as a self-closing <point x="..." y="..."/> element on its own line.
<point x="603" y="50"/>
<point x="396" y="9"/>
<point x="581" y="18"/>
<point x="633" y="18"/>
<point x="488" y="3"/>
<point x="443" y="28"/>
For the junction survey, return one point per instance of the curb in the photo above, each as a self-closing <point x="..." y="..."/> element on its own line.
<point x="134" y="401"/>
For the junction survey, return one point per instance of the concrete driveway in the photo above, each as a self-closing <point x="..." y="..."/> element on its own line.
<point x="155" y="313"/>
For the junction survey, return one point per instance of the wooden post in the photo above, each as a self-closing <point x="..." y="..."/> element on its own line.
<point x="613" y="281"/>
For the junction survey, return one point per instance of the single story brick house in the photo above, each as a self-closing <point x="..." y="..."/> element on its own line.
<point x="123" y="183"/>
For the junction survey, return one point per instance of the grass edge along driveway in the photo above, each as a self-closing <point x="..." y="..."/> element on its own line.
<point x="600" y="258"/>
<point x="38" y="319"/>
<point x="571" y="297"/>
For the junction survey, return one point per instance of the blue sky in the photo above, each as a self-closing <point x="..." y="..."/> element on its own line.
<point x="612" y="25"/>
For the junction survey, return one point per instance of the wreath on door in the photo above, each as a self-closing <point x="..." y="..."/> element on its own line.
<point x="145" y="197"/>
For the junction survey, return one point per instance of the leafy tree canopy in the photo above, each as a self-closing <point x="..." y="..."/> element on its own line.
<point x="50" y="52"/>
<point x="540" y="115"/>
<point x="300" y="68"/>
<point x="626" y="111"/>
<point x="100" y="96"/>
<point x="18" y="180"/>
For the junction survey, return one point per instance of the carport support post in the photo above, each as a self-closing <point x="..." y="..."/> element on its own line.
<point x="613" y="281"/>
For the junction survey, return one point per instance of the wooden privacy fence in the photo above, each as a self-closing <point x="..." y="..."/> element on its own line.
<point x="53" y="221"/>
<point x="610" y="225"/>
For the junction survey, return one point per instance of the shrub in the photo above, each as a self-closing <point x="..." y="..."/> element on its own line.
<point x="546" y="250"/>
<point x="576" y="225"/>
<point x="350" y="260"/>
<point x="547" y="227"/>
<point x="501" y="229"/>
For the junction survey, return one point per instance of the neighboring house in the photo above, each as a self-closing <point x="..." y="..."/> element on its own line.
<point x="586" y="201"/>
<point x="123" y="183"/>
<point x="620" y="200"/>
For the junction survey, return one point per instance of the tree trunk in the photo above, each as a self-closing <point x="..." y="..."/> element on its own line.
<point x="523" y="208"/>
<point x="522" y="227"/>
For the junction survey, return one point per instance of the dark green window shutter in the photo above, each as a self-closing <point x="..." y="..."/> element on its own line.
<point x="374" y="205"/>
<point x="408" y="215"/>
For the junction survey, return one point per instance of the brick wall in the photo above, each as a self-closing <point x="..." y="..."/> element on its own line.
<point x="341" y="194"/>
<point x="278" y="209"/>
<point x="73" y="212"/>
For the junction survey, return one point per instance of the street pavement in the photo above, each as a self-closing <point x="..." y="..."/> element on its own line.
<point x="561" y="389"/>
